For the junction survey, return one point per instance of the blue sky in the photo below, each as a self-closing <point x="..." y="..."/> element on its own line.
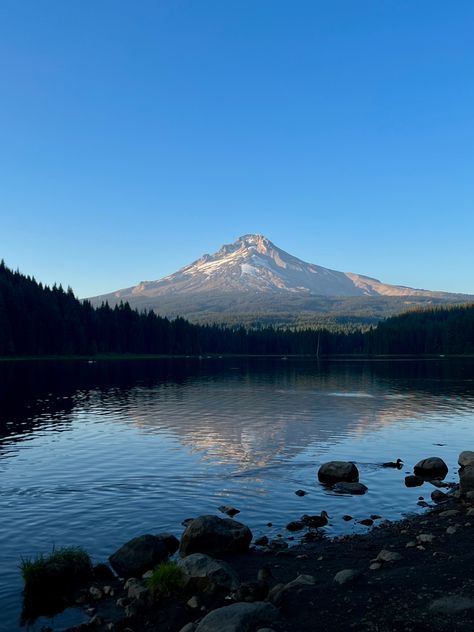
<point x="135" y="136"/>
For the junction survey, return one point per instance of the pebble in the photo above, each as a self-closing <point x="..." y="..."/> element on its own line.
<point x="410" y="545"/>
<point x="193" y="602"/>
<point x="425" y="537"/>
<point x="95" y="593"/>
<point x="375" y="566"/>
<point x="451" y="530"/>
<point x="345" y="576"/>
<point x="388" y="556"/>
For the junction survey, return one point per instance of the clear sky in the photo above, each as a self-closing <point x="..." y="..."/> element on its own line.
<point x="137" y="135"/>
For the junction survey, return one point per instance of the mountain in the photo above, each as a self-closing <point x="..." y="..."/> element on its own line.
<point x="252" y="280"/>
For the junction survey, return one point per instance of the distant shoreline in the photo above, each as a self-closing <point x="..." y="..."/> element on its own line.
<point x="101" y="357"/>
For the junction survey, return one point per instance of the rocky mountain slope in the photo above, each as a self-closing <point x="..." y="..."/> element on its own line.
<point x="254" y="279"/>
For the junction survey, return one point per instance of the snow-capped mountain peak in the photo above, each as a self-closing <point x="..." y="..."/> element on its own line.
<point x="253" y="266"/>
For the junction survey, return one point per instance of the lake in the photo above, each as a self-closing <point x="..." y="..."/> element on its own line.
<point x="95" y="453"/>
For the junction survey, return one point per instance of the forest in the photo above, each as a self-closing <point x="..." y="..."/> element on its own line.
<point x="38" y="320"/>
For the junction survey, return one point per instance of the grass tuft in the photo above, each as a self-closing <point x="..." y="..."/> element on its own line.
<point x="62" y="569"/>
<point x="167" y="580"/>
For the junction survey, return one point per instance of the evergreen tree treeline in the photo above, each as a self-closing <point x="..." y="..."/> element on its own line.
<point x="39" y="320"/>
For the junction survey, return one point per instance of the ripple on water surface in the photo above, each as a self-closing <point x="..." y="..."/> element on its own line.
<point x="96" y="454"/>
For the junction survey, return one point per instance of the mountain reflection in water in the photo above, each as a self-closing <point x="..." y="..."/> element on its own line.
<point x="94" y="454"/>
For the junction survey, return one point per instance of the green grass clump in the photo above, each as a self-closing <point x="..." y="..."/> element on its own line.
<point x="167" y="579"/>
<point x="62" y="569"/>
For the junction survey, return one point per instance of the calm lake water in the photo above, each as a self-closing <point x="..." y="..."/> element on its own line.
<point x="97" y="453"/>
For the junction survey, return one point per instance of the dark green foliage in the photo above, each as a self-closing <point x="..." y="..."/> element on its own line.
<point x="166" y="580"/>
<point x="49" y="579"/>
<point x="38" y="320"/>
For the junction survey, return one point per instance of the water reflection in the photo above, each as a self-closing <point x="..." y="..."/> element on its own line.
<point x="93" y="454"/>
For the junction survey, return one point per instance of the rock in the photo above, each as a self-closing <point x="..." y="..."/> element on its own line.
<point x="193" y="602"/>
<point x="388" y="556"/>
<point x="450" y="604"/>
<point x="138" y="555"/>
<point x="451" y="530"/>
<point x="466" y="458"/>
<point x="275" y="593"/>
<point x="95" y="621"/>
<point x="470" y="511"/>
<point x="263" y="541"/>
<point x="438" y="496"/>
<point x="102" y="572"/>
<point x="425" y="537"/>
<point x="122" y="602"/>
<point x="214" y="535"/>
<point x="350" y="488"/>
<point x="189" y="627"/>
<point x="251" y="592"/>
<point x="346" y="576"/>
<point x="300" y="492"/>
<point x="410" y="545"/>
<point x="136" y="590"/>
<point x="278" y="592"/>
<point x="466" y="479"/>
<point x="449" y="512"/>
<point x="337" y="471"/>
<point x="203" y="573"/>
<point x="230" y="511"/>
<point x="238" y="617"/>
<point x="264" y="574"/>
<point x="347" y="518"/>
<point x="375" y="566"/>
<point x="95" y="593"/>
<point x="368" y="522"/>
<point x="295" y="525"/>
<point x="130" y="611"/>
<point x="108" y="590"/>
<point x="432" y="467"/>
<point x="277" y="544"/>
<point x="170" y="541"/>
<point x="413" y="481"/>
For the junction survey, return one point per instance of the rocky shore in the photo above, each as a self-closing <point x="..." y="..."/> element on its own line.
<point x="413" y="575"/>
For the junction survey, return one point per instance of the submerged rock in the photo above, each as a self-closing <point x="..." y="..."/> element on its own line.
<point x="338" y="471"/>
<point x="431" y="467"/>
<point x="413" y="481"/>
<point x="350" y="488"/>
<point x="214" y="535"/>
<point x="295" y="525"/>
<point x="139" y="555"/>
<point x="229" y="510"/>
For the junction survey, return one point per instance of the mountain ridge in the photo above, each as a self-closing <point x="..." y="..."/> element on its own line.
<point x="252" y="266"/>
